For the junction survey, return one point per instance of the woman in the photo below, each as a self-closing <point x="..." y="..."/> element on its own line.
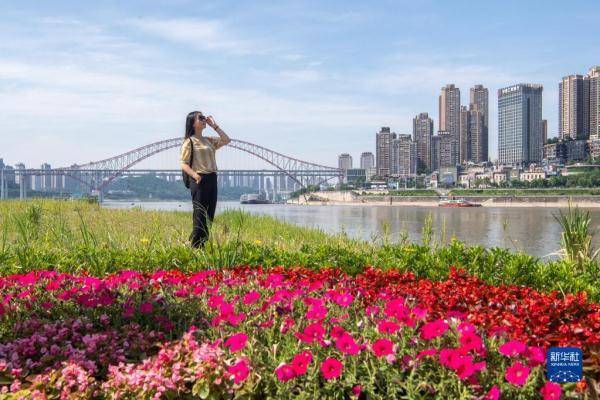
<point x="203" y="171"/>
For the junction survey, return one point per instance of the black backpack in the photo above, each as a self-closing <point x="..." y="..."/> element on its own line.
<point x="186" y="177"/>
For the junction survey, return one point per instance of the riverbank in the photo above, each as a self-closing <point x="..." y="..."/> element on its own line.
<point x="351" y="198"/>
<point x="76" y="236"/>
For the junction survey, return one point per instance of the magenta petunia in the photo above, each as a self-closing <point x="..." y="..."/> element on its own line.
<point x="383" y="347"/>
<point x="236" y="342"/>
<point x="285" y="372"/>
<point x="512" y="348"/>
<point x="301" y="362"/>
<point x="346" y="344"/>
<point x="493" y="394"/>
<point x="551" y="391"/>
<point x="331" y="368"/>
<point x="146" y="308"/>
<point x="239" y="371"/>
<point x="434" y="329"/>
<point x="517" y="374"/>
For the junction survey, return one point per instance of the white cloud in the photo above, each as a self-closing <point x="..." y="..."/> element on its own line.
<point x="199" y="34"/>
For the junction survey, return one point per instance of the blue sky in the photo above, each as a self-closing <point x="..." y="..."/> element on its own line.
<point x="310" y="79"/>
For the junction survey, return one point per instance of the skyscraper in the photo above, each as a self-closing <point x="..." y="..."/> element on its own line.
<point x="573" y="107"/>
<point x="367" y="160"/>
<point x="478" y="137"/>
<point x="449" y="111"/>
<point x="383" y="150"/>
<point x="446" y="149"/>
<point x="544" y="131"/>
<point x="345" y="161"/>
<point x="403" y="156"/>
<point x="594" y="113"/>
<point x="435" y="152"/>
<point x="479" y="101"/>
<point x="422" y="133"/>
<point x="520" y="124"/>
<point x="465" y="135"/>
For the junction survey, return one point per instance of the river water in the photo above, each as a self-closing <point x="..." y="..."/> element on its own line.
<point x="531" y="230"/>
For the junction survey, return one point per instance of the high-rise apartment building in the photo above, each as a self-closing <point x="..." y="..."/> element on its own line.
<point x="479" y="102"/>
<point x="465" y="135"/>
<point x="403" y="156"/>
<point x="449" y="112"/>
<point x="345" y="161"/>
<point x="422" y="134"/>
<point x="594" y="108"/>
<point x="544" y="131"/>
<point x="574" y="107"/>
<point x="520" y="124"/>
<point x="435" y="153"/>
<point x="446" y="149"/>
<point x="367" y="160"/>
<point x="383" y="149"/>
<point x="478" y="137"/>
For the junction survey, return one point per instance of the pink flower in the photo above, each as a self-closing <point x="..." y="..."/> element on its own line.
<point x="387" y="327"/>
<point x="251" y="297"/>
<point x="383" y="347"/>
<point x="239" y="371"/>
<point x="535" y="356"/>
<point x="434" y="329"/>
<point x="427" y="353"/>
<point x="517" y="374"/>
<point x="493" y="394"/>
<point x="236" y="342"/>
<point x="470" y="341"/>
<point x="512" y="348"/>
<point x="285" y="372"/>
<point x="317" y="312"/>
<point x="146" y="308"/>
<point x="312" y="332"/>
<point x="344" y="299"/>
<point x="301" y="362"/>
<point x="346" y="344"/>
<point x="356" y="390"/>
<point x="551" y="391"/>
<point x="331" y="368"/>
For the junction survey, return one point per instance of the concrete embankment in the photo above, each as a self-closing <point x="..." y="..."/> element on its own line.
<point x="351" y="198"/>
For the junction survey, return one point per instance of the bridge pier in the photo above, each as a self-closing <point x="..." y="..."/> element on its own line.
<point x="2" y="185"/>
<point x="23" y="187"/>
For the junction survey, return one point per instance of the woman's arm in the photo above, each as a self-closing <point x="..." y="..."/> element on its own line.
<point x="188" y="170"/>
<point x="223" y="138"/>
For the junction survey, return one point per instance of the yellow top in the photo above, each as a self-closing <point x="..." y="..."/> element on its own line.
<point x="204" y="154"/>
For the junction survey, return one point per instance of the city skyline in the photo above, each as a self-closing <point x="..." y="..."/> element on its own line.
<point x="127" y="74"/>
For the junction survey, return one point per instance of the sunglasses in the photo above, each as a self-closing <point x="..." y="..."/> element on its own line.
<point x="201" y="117"/>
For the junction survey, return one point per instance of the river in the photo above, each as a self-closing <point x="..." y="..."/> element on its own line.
<point x="531" y="230"/>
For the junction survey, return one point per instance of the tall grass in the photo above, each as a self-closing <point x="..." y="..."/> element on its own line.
<point x="77" y="236"/>
<point x="576" y="236"/>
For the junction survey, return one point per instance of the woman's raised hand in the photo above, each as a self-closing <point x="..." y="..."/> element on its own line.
<point x="211" y="122"/>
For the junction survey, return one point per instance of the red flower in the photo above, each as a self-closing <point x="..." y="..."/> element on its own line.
<point x="331" y="368"/>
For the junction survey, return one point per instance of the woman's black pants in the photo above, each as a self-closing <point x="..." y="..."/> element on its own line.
<point x="204" y="200"/>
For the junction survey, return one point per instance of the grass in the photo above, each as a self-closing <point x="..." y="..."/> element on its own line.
<point x="78" y="236"/>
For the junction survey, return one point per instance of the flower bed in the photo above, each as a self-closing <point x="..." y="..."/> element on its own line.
<point x="284" y="333"/>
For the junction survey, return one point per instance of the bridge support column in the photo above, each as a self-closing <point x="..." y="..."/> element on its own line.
<point x="2" y="185"/>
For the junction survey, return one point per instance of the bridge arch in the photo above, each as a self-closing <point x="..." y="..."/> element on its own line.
<point x="125" y="161"/>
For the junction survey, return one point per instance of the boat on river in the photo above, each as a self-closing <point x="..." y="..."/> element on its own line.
<point x="254" y="198"/>
<point x="457" y="203"/>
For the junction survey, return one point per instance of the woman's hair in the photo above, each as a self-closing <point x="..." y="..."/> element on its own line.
<point x="189" y="123"/>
